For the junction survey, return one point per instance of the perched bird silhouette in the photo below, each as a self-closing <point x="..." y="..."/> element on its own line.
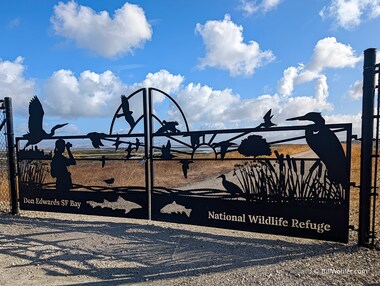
<point x="127" y="113"/>
<point x="230" y="187"/>
<point x="267" y="120"/>
<point x="36" y="132"/>
<point x="224" y="145"/>
<point x="185" y="166"/>
<point x="129" y="151"/>
<point x="117" y="143"/>
<point x="103" y="161"/>
<point x="137" y="144"/>
<point x="166" y="151"/>
<point x="326" y="145"/>
<point x="95" y="138"/>
<point x="109" y="181"/>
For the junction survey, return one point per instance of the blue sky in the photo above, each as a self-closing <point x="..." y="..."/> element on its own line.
<point x="226" y="62"/>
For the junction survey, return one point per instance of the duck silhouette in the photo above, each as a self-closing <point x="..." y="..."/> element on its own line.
<point x="36" y="132"/>
<point x="230" y="187"/>
<point x="327" y="146"/>
<point x="109" y="181"/>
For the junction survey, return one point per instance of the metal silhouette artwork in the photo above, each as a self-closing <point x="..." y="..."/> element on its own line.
<point x="267" y="120"/>
<point x="59" y="164"/>
<point x="185" y="166"/>
<point x="175" y="208"/>
<point x="127" y="113"/>
<point x="233" y="178"/>
<point x="230" y="187"/>
<point x="326" y="145"/>
<point x="36" y="132"/>
<point x="119" y="204"/>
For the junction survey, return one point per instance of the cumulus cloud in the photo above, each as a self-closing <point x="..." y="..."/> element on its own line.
<point x="89" y="94"/>
<point x="107" y="36"/>
<point x="349" y="14"/>
<point x="250" y="7"/>
<point x="328" y="54"/>
<point x="225" y="48"/>
<point x="356" y="90"/>
<point x="14" y="84"/>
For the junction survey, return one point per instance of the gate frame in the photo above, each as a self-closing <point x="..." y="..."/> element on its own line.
<point x="7" y="109"/>
<point x="368" y="184"/>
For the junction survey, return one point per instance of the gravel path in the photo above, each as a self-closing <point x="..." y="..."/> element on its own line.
<point x="39" y="248"/>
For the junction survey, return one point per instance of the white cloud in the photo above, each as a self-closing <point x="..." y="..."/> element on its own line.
<point x="349" y="14"/>
<point x="225" y="48"/>
<point x="90" y="94"/>
<point x="356" y="90"/>
<point x="328" y="54"/>
<point x="104" y="35"/>
<point x="251" y="6"/>
<point x="13" y="84"/>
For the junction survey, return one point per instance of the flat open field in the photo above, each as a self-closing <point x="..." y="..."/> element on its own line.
<point x="39" y="248"/>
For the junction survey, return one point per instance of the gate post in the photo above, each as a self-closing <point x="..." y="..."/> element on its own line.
<point x="366" y="146"/>
<point x="11" y="153"/>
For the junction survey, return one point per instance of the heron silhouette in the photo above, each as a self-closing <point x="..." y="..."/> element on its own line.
<point x="327" y="146"/>
<point x="36" y="132"/>
<point x="267" y="120"/>
<point x="230" y="187"/>
<point x="127" y="113"/>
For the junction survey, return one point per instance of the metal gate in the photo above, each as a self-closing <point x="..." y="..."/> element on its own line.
<point x="369" y="211"/>
<point x="157" y="168"/>
<point x="8" y="193"/>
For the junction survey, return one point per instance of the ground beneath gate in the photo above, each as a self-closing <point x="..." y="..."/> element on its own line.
<point x="63" y="249"/>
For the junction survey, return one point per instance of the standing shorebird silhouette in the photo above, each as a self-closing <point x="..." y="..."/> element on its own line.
<point x="36" y="132"/>
<point x="230" y="187"/>
<point x="326" y="145"/>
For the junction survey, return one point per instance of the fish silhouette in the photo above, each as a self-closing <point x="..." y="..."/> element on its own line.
<point x="175" y="208"/>
<point x="119" y="204"/>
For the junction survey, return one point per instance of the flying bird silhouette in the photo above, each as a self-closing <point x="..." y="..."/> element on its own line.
<point x="224" y="145"/>
<point x="36" y="132"/>
<point x="230" y="187"/>
<point x="129" y="151"/>
<point x="117" y="143"/>
<point x="326" y="145"/>
<point x="267" y="120"/>
<point x="127" y="113"/>
<point x="185" y="166"/>
<point x="95" y="138"/>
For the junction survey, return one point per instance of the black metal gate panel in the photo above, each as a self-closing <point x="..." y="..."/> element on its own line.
<point x="241" y="180"/>
<point x="64" y="174"/>
<point x="5" y="193"/>
<point x="153" y="168"/>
